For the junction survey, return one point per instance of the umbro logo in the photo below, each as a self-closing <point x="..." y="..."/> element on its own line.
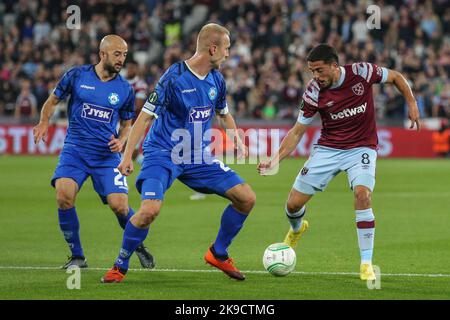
<point x="329" y="103"/>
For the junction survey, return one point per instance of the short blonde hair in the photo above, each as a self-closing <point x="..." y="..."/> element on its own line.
<point x="210" y="34"/>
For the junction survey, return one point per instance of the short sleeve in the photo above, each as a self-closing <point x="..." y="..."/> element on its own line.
<point x="221" y="104"/>
<point x="127" y="110"/>
<point x="159" y="98"/>
<point x="306" y="113"/>
<point x="65" y="84"/>
<point x="370" y="72"/>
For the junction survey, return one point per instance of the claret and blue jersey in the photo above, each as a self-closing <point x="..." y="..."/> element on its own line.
<point x="95" y="107"/>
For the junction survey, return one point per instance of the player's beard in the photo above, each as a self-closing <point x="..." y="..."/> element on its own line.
<point x="112" y="69"/>
<point x="328" y="83"/>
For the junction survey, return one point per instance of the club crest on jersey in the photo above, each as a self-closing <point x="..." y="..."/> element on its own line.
<point x="199" y="114"/>
<point x="212" y="93"/>
<point x="358" y="89"/>
<point x="113" y="98"/>
<point x="96" y="113"/>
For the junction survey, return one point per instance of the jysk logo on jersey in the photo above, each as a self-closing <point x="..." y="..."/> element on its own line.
<point x="113" y="98"/>
<point x="212" y="93"/>
<point x="199" y="114"/>
<point x="97" y="113"/>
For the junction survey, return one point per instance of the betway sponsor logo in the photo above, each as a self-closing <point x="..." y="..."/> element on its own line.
<point x="96" y="113"/>
<point x="347" y="113"/>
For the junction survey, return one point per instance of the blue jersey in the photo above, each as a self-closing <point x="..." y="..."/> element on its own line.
<point x="184" y="100"/>
<point x="95" y="107"/>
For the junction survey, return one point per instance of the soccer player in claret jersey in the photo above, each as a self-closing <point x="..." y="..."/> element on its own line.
<point x="184" y="102"/>
<point x="342" y="95"/>
<point x="99" y="99"/>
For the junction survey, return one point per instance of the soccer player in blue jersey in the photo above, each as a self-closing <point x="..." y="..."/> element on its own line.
<point x="185" y="100"/>
<point x="100" y="100"/>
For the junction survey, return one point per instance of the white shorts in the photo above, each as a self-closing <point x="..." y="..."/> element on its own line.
<point x="325" y="163"/>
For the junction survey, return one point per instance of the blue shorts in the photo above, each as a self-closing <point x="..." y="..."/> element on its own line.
<point x="159" y="172"/>
<point x="77" y="164"/>
<point x="325" y="163"/>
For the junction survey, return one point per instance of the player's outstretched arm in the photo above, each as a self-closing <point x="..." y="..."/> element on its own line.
<point x="288" y="145"/>
<point x="41" y="129"/>
<point x="397" y="79"/>
<point x="227" y="122"/>
<point x="137" y="131"/>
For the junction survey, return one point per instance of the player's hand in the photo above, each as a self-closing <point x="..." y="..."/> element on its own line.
<point x="126" y="167"/>
<point x="242" y="150"/>
<point x="414" y="115"/>
<point x="265" y="166"/>
<point x="115" y="145"/>
<point x="40" y="132"/>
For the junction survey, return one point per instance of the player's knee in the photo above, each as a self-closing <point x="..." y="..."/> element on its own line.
<point x="363" y="197"/>
<point x="64" y="200"/>
<point x="120" y="209"/>
<point x="293" y="206"/>
<point x="246" y="201"/>
<point x="147" y="214"/>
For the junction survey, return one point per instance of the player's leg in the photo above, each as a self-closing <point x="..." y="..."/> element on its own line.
<point x="135" y="233"/>
<point x="321" y="167"/>
<point x="361" y="176"/>
<point x="295" y="213"/>
<point x="242" y="200"/>
<point x="67" y="180"/>
<point x="112" y="188"/>
<point x="152" y="183"/>
<point x="66" y="191"/>
<point x="220" y="179"/>
<point x="118" y="202"/>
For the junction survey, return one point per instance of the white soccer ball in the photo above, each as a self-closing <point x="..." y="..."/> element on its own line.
<point x="279" y="259"/>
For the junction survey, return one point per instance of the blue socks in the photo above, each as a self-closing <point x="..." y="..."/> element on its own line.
<point x="132" y="238"/>
<point x="70" y="227"/>
<point x="123" y="220"/>
<point x="231" y="222"/>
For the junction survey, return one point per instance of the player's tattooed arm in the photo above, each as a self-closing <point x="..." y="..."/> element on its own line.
<point x="41" y="129"/>
<point x="399" y="81"/>
<point x="288" y="145"/>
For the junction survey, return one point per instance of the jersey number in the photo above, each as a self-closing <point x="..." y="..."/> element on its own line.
<point x="118" y="178"/>
<point x="365" y="158"/>
<point x="222" y="165"/>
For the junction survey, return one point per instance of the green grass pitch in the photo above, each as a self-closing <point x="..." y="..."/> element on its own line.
<point x="412" y="244"/>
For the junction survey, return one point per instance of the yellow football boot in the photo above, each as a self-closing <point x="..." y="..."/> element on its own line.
<point x="366" y="272"/>
<point x="293" y="237"/>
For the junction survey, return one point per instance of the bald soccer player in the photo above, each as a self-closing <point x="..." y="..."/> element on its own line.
<point x="100" y="99"/>
<point x="184" y="103"/>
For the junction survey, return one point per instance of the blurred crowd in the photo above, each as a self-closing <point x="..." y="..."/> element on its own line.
<point x="266" y="72"/>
